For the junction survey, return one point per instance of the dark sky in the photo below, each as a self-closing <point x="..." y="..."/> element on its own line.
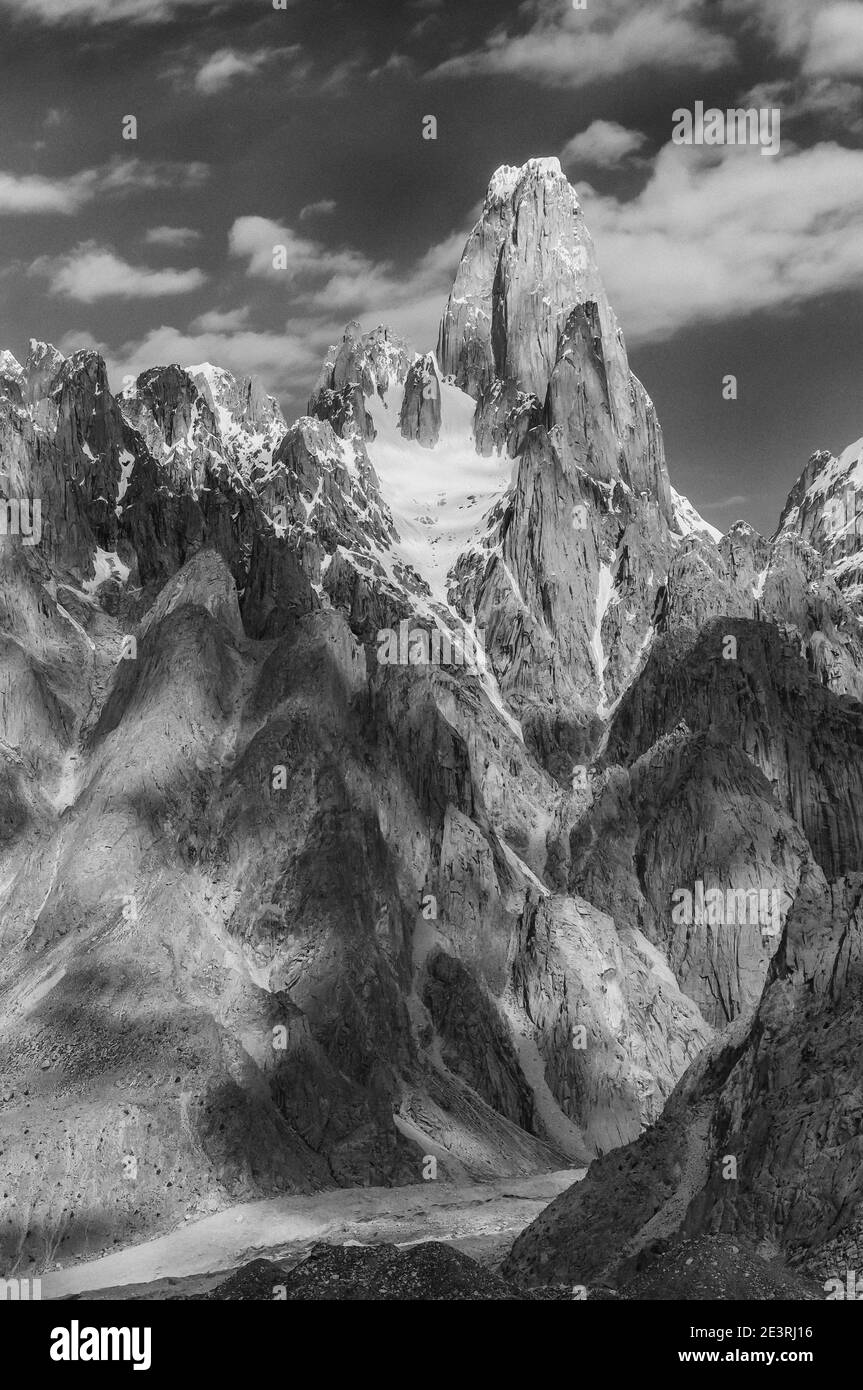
<point x="303" y="127"/>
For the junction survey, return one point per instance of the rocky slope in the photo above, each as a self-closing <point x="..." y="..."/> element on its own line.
<point x="350" y="768"/>
<point x="824" y="509"/>
<point x="761" y="1138"/>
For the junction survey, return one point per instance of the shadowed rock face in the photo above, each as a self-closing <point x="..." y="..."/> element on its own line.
<point x="693" y="809"/>
<point x="806" y="741"/>
<point x="778" y="1096"/>
<point x="373" y="361"/>
<point x="431" y="1271"/>
<point x="286" y="906"/>
<point x="345" y="410"/>
<point x="421" y="410"/>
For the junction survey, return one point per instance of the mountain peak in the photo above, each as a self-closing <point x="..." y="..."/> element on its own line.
<point x="10" y="366"/>
<point x="825" y="510"/>
<point x="548" y="166"/>
<point x="507" y="178"/>
<point x="502" y="184"/>
<point x="43" y="365"/>
<point x="527" y="264"/>
<point x="688" y="521"/>
<point x="528" y="314"/>
<point x="238" y="402"/>
<point x="374" y="361"/>
<point x="40" y="351"/>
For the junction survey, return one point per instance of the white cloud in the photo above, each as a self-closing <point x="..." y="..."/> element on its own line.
<point x="785" y="22"/>
<point x="33" y="193"/>
<point x="345" y="282"/>
<point x="287" y="362"/>
<point x="210" y="74"/>
<point x="320" y="209"/>
<point x="835" y="46"/>
<point x="398" y="297"/>
<point x="255" y="240"/>
<point x="92" y="272"/>
<point x="837" y="106"/>
<point x="328" y="288"/>
<point x="221" y="68"/>
<point x="172" y="236"/>
<point x="340" y="78"/>
<point x="145" y="175"/>
<point x="574" y="48"/>
<point x="397" y="64"/>
<point x="221" y="320"/>
<point x="736" y="501"/>
<point x="604" y="144"/>
<point x="721" y="234"/>
<point x="100" y="11"/>
<point x="825" y="36"/>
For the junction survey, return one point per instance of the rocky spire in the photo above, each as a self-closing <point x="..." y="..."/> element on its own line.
<point x="528" y="312"/>
<point x="41" y="369"/>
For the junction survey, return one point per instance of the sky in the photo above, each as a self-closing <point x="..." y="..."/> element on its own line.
<point x="302" y="126"/>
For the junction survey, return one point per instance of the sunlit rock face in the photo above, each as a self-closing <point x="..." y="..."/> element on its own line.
<point x="350" y="768"/>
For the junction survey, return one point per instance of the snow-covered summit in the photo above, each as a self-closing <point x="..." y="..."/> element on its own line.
<point x="688" y="521"/>
<point x="825" y="508"/>
<point x="506" y="177"/>
<point x="10" y="366"/>
<point x="250" y="422"/>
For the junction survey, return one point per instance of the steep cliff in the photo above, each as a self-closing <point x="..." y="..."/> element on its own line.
<point x="349" y="770"/>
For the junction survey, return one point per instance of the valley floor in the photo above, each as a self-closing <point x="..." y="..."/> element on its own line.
<point x="481" y="1219"/>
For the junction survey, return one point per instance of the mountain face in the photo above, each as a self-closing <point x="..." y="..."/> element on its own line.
<point x="528" y="315"/>
<point x="760" y="1140"/>
<point x="354" y="774"/>
<point x="566" y="579"/>
<point x="824" y="509"/>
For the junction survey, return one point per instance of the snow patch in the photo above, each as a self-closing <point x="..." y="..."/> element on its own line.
<point x="107" y="565"/>
<point x="10" y="366"/>
<point x="127" y="463"/>
<point x="438" y="497"/>
<point x="687" y="520"/>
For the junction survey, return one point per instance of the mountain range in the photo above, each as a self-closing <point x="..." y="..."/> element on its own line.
<point x="280" y="914"/>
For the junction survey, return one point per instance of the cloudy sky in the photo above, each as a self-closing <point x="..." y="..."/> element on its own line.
<point x="303" y="126"/>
